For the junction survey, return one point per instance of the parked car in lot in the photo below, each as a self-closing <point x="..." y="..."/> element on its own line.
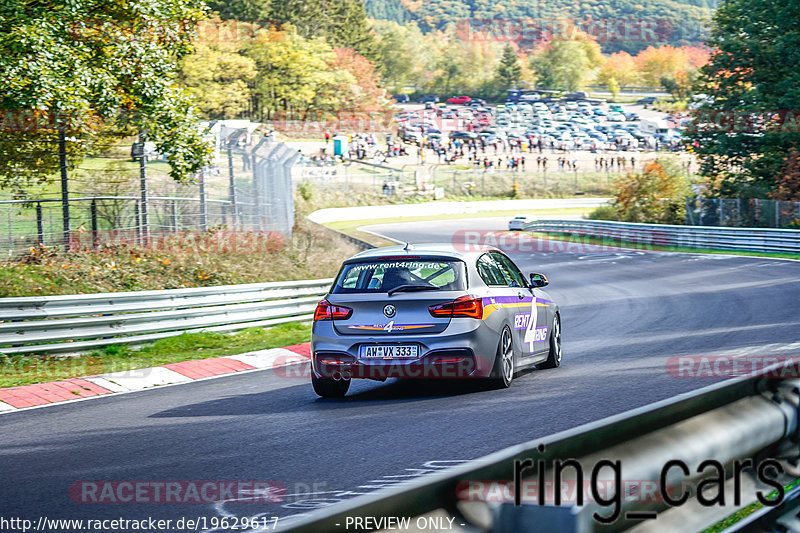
<point x="401" y="98"/>
<point x="428" y="98"/>
<point x="647" y="100"/>
<point x="631" y="116"/>
<point x="428" y="311"/>
<point x="459" y="100"/>
<point x="463" y="135"/>
<point x="615" y="116"/>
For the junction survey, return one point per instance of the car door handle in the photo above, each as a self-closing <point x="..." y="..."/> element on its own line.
<point x="521" y="296"/>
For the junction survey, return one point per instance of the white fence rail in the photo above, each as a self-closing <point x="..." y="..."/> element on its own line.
<point x="74" y="323"/>
<point x="706" y="237"/>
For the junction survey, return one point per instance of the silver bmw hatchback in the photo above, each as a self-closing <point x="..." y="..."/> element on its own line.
<point x="432" y="311"/>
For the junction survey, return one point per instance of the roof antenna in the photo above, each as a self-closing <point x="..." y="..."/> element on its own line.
<point x="407" y="246"/>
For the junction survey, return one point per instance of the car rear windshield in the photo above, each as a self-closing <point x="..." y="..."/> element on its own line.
<point x="412" y="274"/>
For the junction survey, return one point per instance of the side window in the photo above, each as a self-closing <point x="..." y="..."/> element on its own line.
<point x="489" y="271"/>
<point x="510" y="270"/>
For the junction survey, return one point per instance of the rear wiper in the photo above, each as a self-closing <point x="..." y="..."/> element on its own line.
<point x="413" y="288"/>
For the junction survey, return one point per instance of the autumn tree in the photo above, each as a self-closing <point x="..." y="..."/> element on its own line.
<point x="655" y="195"/>
<point x="754" y="75"/>
<point x="567" y="63"/>
<point x="99" y="71"/>
<point x="788" y="181"/>
<point x="220" y="78"/>
<point x="292" y="71"/>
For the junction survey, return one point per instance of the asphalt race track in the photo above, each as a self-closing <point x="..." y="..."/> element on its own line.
<point x="625" y="313"/>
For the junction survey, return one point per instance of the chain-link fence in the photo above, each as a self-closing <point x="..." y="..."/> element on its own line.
<point x="742" y="212"/>
<point x="249" y="189"/>
<point x="358" y="177"/>
<point x="522" y="184"/>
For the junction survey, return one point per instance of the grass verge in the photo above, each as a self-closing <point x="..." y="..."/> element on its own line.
<point x="25" y="370"/>
<point x="743" y="513"/>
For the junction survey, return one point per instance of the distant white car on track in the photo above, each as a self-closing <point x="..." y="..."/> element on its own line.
<point x="518" y="222"/>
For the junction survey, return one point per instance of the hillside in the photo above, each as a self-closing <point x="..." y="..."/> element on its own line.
<point x="676" y="22"/>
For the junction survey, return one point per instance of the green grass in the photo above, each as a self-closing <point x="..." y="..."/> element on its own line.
<point x="25" y="370"/>
<point x="739" y="515"/>
<point x="583" y="239"/>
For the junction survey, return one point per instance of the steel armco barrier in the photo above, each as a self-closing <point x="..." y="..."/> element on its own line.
<point x="53" y="324"/>
<point x="707" y="237"/>
<point x="753" y="417"/>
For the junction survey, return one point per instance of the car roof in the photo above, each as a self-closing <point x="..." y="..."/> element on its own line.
<point x="439" y="250"/>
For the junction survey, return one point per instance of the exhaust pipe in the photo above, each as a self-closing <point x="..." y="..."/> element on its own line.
<point x="337" y="376"/>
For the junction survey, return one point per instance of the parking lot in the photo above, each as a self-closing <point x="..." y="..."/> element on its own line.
<point x="585" y="135"/>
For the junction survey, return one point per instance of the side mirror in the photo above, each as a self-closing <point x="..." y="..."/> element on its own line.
<point x="538" y="280"/>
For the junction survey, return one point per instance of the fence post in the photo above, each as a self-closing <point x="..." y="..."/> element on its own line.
<point x="777" y="213"/>
<point x="203" y="206"/>
<point x="232" y="187"/>
<point x="174" y="208"/>
<point x="62" y="158"/>
<point x="721" y="213"/>
<point x="137" y="216"/>
<point x="738" y="211"/>
<point x="145" y="217"/>
<point x="39" y="224"/>
<point x="93" y="213"/>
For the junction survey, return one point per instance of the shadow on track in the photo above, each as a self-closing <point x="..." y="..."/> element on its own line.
<point x="301" y="398"/>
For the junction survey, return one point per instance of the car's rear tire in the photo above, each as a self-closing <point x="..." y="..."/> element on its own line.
<point x="330" y="388"/>
<point x="503" y="370"/>
<point x="554" y="356"/>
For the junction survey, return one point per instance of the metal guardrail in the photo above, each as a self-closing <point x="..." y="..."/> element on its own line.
<point x="753" y="417"/>
<point x="706" y="237"/>
<point x="53" y="324"/>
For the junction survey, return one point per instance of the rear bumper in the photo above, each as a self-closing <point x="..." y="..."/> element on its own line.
<point x="464" y="350"/>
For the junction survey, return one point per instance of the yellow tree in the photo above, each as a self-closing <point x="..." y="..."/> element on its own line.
<point x="662" y="62"/>
<point x="220" y="78"/>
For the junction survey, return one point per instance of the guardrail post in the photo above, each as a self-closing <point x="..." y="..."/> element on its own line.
<point x="93" y="213"/>
<point x="39" y="224"/>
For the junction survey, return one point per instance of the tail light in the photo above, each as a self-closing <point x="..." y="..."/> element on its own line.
<point x="326" y="311"/>
<point x="464" y="306"/>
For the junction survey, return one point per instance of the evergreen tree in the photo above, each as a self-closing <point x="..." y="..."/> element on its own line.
<point x="509" y="70"/>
